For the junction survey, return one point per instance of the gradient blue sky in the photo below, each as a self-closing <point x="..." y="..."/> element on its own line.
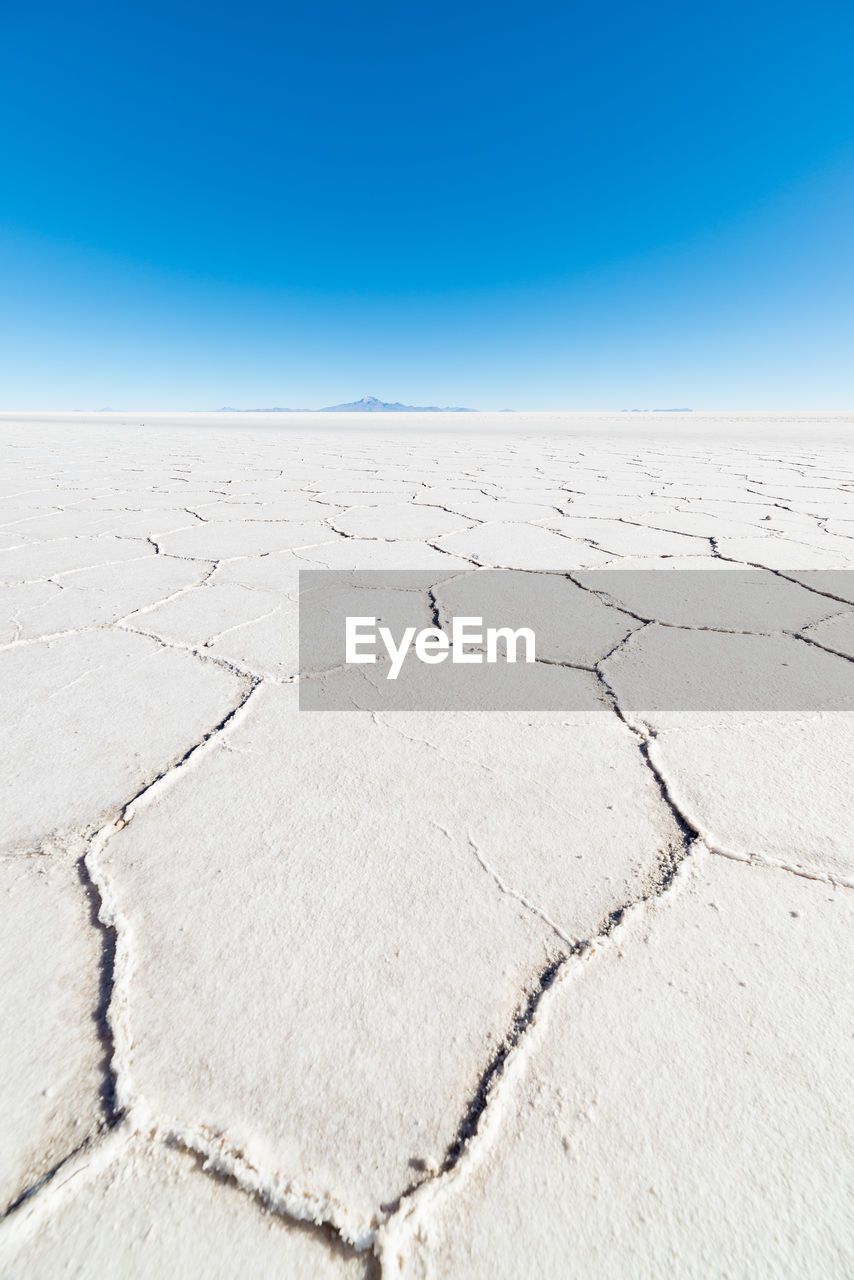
<point x="561" y="205"/>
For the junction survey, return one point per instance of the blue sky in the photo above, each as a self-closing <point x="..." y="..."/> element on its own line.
<point x="564" y="205"/>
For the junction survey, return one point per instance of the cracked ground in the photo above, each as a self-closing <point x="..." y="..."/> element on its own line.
<point x="414" y="994"/>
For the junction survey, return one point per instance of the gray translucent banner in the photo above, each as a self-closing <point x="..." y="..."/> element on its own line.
<point x="709" y="639"/>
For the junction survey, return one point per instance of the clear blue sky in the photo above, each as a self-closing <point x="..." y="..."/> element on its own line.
<point x="554" y="205"/>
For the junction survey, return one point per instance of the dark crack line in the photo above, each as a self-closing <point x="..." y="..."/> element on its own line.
<point x="521" y="1021"/>
<point x="46" y="1178"/>
<point x="320" y="1231"/>
<point x="470" y="1122"/>
<point x="108" y="1091"/>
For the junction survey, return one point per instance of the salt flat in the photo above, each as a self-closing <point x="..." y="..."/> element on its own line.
<point x="421" y="993"/>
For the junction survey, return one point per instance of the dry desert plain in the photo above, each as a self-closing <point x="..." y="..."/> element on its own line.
<point x="411" y="994"/>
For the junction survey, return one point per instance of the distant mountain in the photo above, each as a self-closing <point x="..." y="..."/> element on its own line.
<point x="370" y="404"/>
